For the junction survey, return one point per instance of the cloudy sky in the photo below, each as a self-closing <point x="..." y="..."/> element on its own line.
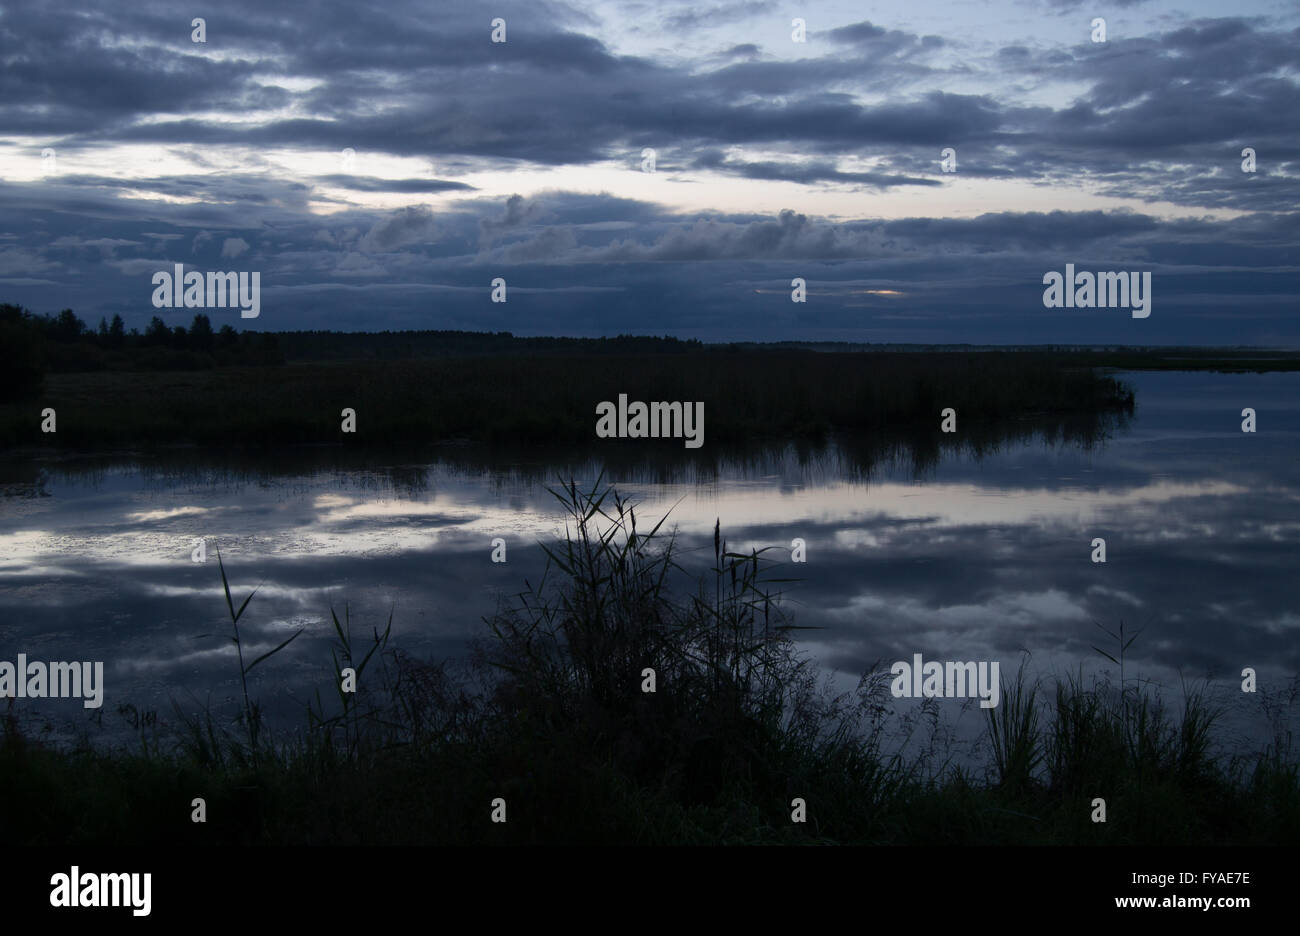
<point x="379" y="164"/>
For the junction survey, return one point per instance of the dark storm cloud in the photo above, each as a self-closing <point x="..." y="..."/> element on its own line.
<point x="546" y="96"/>
<point x="1064" y="5"/>
<point x="1211" y="81"/>
<point x="718" y="14"/>
<point x="744" y="50"/>
<point x="399" y="80"/>
<point x="880" y="40"/>
<point x="361" y="184"/>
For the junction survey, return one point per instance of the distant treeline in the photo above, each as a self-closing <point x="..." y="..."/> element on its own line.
<point x="391" y="345"/>
<point x="32" y="345"/>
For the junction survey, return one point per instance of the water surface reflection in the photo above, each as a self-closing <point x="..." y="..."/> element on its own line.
<point x="979" y="554"/>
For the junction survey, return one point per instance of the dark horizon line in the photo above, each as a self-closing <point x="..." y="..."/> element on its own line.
<point x="787" y="342"/>
<point x="89" y="331"/>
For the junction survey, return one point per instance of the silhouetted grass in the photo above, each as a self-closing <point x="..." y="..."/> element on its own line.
<point x="553" y="718"/>
<point x="552" y="398"/>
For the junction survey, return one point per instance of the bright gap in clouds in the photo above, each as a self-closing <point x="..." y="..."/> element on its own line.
<point x="684" y="192"/>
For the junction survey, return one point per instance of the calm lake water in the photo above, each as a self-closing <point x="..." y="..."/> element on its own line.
<point x="978" y="559"/>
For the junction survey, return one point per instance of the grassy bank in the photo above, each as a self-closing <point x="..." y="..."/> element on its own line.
<point x="553" y="718"/>
<point x="552" y="398"/>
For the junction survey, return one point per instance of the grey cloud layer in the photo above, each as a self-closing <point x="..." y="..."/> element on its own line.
<point x="399" y="79"/>
<point x="720" y="276"/>
<point x="1160" y="117"/>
